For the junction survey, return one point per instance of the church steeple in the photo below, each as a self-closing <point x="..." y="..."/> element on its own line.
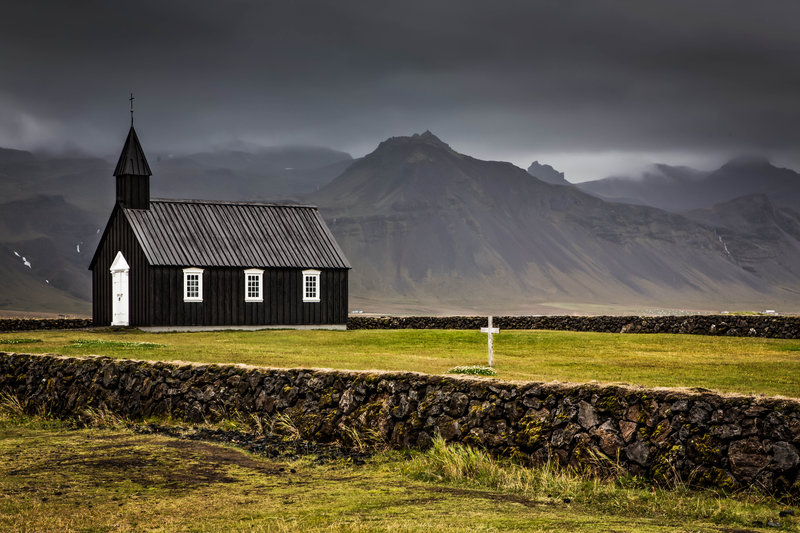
<point x="132" y="160"/>
<point x="133" y="175"/>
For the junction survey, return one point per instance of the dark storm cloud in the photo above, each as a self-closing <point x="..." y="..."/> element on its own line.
<point x="510" y="77"/>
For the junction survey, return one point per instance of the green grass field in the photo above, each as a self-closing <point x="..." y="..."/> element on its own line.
<point x="57" y="478"/>
<point x="726" y="364"/>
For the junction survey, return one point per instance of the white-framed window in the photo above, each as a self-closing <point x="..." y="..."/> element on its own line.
<point x="192" y="284"/>
<point x="253" y="285"/>
<point x="310" y="285"/>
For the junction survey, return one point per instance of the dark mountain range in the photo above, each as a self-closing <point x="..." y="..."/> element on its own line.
<point x="263" y="173"/>
<point x="682" y="188"/>
<point x="81" y="180"/>
<point x="260" y="174"/>
<point x="547" y="174"/>
<point x="428" y="228"/>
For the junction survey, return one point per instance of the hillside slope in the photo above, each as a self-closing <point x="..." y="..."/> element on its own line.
<point x="56" y="239"/>
<point x="759" y="236"/>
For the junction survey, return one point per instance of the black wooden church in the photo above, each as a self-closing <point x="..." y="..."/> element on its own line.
<point x="179" y="263"/>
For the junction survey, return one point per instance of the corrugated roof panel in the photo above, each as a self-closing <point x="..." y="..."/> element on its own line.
<point x="239" y="234"/>
<point x="309" y="230"/>
<point x="322" y="253"/>
<point x="255" y="243"/>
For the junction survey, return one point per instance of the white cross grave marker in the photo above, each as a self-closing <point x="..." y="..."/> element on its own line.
<point x="490" y="330"/>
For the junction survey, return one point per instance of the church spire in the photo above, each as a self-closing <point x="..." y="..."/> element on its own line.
<point x="132" y="160"/>
<point x="133" y="173"/>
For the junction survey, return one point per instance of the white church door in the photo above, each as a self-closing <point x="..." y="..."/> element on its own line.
<point x="119" y="291"/>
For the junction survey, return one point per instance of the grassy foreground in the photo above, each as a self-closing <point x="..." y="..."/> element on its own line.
<point x="54" y="478"/>
<point x="727" y="364"/>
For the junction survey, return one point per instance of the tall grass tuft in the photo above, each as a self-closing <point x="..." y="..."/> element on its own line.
<point x="11" y="406"/>
<point x="102" y="417"/>
<point x="455" y="463"/>
<point x="619" y="494"/>
<point x="283" y="424"/>
<point x="363" y="439"/>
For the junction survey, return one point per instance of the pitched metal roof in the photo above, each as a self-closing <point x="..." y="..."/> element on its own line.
<point x="234" y="234"/>
<point x="132" y="160"/>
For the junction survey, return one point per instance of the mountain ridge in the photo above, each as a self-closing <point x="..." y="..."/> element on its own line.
<point x="420" y="221"/>
<point x="429" y="229"/>
<point x="680" y="188"/>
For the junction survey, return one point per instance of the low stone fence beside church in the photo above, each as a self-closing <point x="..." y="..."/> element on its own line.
<point x="779" y="327"/>
<point x="30" y="324"/>
<point x="700" y="437"/>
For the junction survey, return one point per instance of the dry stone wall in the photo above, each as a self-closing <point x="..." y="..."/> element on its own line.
<point x="782" y="327"/>
<point x="29" y="324"/>
<point x="699" y="436"/>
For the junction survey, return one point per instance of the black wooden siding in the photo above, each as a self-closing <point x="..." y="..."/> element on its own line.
<point x="274" y="234"/>
<point x="119" y="237"/>
<point x="133" y="191"/>
<point x="223" y="299"/>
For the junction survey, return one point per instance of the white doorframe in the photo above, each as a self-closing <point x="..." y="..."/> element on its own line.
<point x="119" y="291"/>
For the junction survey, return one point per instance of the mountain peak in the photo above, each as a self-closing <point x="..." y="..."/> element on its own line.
<point x="547" y="174"/>
<point x="748" y="161"/>
<point x="425" y="138"/>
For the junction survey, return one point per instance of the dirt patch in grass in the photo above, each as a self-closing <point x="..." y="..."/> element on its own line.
<point x="177" y="464"/>
<point x="269" y="445"/>
<point x="223" y="456"/>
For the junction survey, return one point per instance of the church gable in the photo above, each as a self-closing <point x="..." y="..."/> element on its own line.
<point x="118" y="239"/>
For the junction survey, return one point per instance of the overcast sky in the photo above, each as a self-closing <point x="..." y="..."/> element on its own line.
<point x="592" y="87"/>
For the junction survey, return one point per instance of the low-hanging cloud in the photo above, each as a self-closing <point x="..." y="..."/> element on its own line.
<point x="515" y="78"/>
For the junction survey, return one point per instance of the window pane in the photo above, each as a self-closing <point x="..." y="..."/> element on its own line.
<point x="192" y="285"/>
<point x="253" y="285"/>
<point x="311" y="286"/>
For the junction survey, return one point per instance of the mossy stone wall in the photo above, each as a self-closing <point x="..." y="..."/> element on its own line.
<point x="698" y="436"/>
<point x="780" y="327"/>
<point x="29" y="324"/>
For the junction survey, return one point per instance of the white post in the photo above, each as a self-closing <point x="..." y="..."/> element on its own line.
<point x="491" y="346"/>
<point x="490" y="330"/>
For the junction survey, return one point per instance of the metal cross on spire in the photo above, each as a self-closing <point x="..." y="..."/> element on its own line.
<point x="131" y="99"/>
